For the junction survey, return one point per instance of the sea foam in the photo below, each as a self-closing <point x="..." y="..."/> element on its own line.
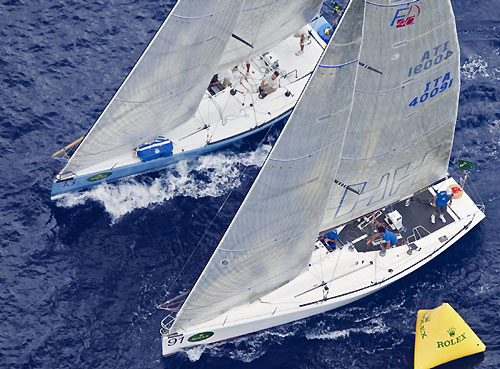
<point x="210" y="175"/>
<point x="474" y="65"/>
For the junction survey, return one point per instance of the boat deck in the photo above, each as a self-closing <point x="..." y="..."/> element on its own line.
<point x="416" y="214"/>
<point x="337" y="277"/>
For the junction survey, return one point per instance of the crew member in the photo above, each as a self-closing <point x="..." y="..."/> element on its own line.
<point x="331" y="239"/>
<point x="440" y="202"/>
<point x="389" y="238"/>
<point x="268" y="85"/>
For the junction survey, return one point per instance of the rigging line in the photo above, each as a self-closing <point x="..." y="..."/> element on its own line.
<point x="213" y="220"/>
<point x="301" y="78"/>
<point x="253" y="105"/>
<point x="445" y="23"/>
<point x="314" y="38"/>
<point x="221" y="116"/>
<point x="198" y="16"/>
<point x="335" y="267"/>
<point x="339" y="66"/>
<point x="368" y="264"/>
<point x="321" y="265"/>
<point x="313" y="273"/>
<point x="241" y="40"/>
<point x="307" y="155"/>
<point x="260" y="7"/>
<point x="406" y="145"/>
<point x="311" y="289"/>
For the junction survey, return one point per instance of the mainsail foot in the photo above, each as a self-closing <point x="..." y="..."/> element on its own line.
<point x="339" y="277"/>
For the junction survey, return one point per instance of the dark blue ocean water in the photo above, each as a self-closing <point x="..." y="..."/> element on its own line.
<point x="80" y="278"/>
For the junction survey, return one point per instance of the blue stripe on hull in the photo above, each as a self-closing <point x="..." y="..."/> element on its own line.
<point x="89" y="180"/>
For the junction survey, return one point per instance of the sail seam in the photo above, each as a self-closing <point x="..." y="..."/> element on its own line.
<point x="197" y="17"/>
<point x="354" y="42"/>
<point x="311" y="154"/>
<point x="259" y="7"/>
<point x="407" y="144"/>
<point x="450" y="21"/>
<point x="391" y="5"/>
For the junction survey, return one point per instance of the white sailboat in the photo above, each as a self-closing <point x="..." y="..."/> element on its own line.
<point x="165" y="100"/>
<point x="370" y="137"/>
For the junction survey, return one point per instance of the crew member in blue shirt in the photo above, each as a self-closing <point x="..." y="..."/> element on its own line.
<point x="440" y="202"/>
<point x="389" y="238"/>
<point x="331" y="239"/>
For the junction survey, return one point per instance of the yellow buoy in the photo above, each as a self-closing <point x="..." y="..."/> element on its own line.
<point x="441" y="336"/>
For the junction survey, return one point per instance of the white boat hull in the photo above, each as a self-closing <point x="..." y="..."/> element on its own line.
<point x="350" y="275"/>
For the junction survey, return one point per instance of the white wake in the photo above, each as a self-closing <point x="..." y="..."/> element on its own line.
<point x="210" y="175"/>
<point x="247" y="348"/>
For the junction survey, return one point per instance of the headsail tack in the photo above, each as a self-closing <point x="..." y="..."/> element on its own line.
<point x="271" y="238"/>
<point x="166" y="85"/>
<point x="405" y="107"/>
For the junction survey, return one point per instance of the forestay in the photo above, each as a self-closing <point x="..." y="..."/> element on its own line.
<point x="264" y="23"/>
<point x="405" y="107"/>
<point x="271" y="238"/>
<point x="166" y="85"/>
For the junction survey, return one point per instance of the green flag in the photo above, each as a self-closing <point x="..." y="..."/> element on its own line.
<point x="464" y="165"/>
<point x="336" y="8"/>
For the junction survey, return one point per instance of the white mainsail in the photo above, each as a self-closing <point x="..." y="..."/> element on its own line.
<point x="401" y="128"/>
<point x="264" y="23"/>
<point x="271" y="238"/>
<point x="166" y="85"/>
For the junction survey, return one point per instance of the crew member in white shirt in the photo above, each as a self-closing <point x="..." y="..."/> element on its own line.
<point x="268" y="85"/>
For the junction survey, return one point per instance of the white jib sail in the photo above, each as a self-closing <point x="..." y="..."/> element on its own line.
<point x="264" y="23"/>
<point x="405" y="107"/>
<point x="272" y="236"/>
<point x="166" y="85"/>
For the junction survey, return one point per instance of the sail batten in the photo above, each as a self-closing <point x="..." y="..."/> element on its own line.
<point x="271" y="238"/>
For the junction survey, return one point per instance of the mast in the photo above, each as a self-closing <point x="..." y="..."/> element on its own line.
<point x="401" y="128"/>
<point x="166" y="85"/>
<point x="271" y="238"/>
